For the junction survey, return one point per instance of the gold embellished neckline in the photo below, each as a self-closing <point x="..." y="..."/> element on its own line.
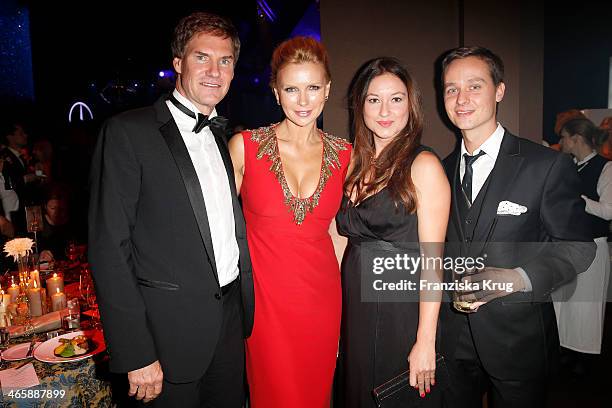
<point x="268" y="146"/>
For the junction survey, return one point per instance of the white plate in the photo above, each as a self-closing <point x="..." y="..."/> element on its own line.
<point x="17" y="352"/>
<point x="44" y="352"/>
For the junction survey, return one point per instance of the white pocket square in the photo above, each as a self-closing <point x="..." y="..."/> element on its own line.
<point x="510" y="208"/>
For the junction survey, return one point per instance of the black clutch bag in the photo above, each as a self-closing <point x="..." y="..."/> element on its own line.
<point x="398" y="388"/>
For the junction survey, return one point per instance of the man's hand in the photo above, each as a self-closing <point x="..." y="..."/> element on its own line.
<point x="146" y="382"/>
<point x="492" y="283"/>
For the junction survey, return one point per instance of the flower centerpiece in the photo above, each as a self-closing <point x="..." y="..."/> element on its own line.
<point x="19" y="249"/>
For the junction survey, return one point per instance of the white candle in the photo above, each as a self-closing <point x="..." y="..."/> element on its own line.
<point x="58" y="301"/>
<point x="35" y="301"/>
<point x="13" y="292"/>
<point x="35" y="275"/>
<point x="54" y="283"/>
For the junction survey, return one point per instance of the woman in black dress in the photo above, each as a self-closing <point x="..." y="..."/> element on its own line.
<point x="396" y="196"/>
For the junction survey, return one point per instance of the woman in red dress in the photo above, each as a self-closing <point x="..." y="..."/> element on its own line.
<point x="290" y="177"/>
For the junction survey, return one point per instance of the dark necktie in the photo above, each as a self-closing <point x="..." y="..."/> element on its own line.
<point x="466" y="185"/>
<point x="201" y="120"/>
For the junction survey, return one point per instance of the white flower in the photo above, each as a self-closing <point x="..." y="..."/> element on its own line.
<point x="18" y="247"/>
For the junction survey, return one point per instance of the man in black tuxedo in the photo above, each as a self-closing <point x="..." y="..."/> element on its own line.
<point x="512" y="204"/>
<point x="14" y="172"/>
<point x="167" y="240"/>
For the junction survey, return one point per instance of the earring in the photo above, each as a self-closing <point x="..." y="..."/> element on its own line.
<point x="326" y="97"/>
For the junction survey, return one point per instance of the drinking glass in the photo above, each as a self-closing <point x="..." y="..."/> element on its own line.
<point x="92" y="302"/>
<point x="462" y="305"/>
<point x="4" y="331"/>
<point x="4" y="338"/>
<point x="71" y="317"/>
<point x="34" y="218"/>
<point x="34" y="222"/>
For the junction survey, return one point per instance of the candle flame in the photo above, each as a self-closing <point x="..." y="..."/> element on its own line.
<point x="35" y="285"/>
<point x="57" y="290"/>
<point x="55" y="275"/>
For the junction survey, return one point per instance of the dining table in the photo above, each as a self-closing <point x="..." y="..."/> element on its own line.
<point x="84" y="383"/>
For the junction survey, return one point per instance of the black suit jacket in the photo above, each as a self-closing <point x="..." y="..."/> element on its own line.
<point x="13" y="166"/>
<point x="150" y="247"/>
<point x="516" y="335"/>
<point x="14" y="171"/>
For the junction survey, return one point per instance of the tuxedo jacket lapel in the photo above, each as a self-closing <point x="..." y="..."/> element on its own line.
<point x="507" y="166"/>
<point x="16" y="160"/>
<point x="179" y="152"/>
<point x="453" y="174"/>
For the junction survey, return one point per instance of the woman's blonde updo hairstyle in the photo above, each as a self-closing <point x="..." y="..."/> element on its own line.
<point x="298" y="50"/>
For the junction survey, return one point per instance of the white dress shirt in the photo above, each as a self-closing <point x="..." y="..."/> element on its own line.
<point x="482" y="168"/>
<point x="484" y="164"/>
<point x="603" y="207"/>
<point x="215" y="186"/>
<point x="9" y="200"/>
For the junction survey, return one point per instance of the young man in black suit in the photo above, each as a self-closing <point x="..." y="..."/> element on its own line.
<point x="167" y="238"/>
<point x="512" y="200"/>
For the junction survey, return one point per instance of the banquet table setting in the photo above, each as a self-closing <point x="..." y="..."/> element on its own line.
<point x="53" y="349"/>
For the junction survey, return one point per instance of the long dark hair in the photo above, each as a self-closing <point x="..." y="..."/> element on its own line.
<point x="392" y="166"/>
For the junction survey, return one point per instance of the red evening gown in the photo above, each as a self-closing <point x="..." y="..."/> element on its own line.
<point x="291" y="355"/>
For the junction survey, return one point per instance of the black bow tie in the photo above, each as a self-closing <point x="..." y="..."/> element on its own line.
<point x="202" y="120"/>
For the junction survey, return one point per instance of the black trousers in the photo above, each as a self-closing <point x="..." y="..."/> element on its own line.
<point x="471" y="381"/>
<point x="222" y="385"/>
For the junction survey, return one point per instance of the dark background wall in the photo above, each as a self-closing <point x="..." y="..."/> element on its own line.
<point x="577" y="52"/>
<point x="415" y="32"/>
<point x="556" y="57"/>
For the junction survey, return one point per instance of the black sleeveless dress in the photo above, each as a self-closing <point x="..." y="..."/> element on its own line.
<point x="376" y="337"/>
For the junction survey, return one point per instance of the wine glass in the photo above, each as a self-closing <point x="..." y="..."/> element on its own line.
<point x="92" y="302"/>
<point x="88" y="295"/>
<point x="34" y="222"/>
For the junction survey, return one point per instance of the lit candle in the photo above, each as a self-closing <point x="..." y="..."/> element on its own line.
<point x="35" y="275"/>
<point x="35" y="301"/>
<point x="58" y="300"/>
<point x="13" y="292"/>
<point x="54" y="283"/>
